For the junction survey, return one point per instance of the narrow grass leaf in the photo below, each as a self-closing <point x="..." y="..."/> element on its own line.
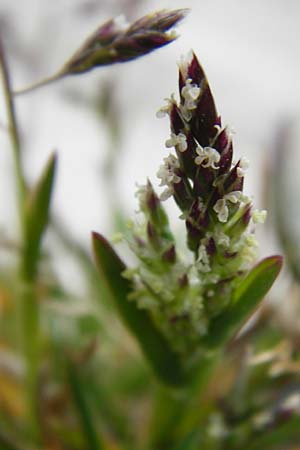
<point x="37" y="213"/>
<point x="247" y="298"/>
<point x="287" y="433"/>
<point x="164" y="361"/>
<point x="190" y="442"/>
<point x="84" y="413"/>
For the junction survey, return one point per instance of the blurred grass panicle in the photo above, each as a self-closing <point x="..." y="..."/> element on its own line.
<point x="117" y="41"/>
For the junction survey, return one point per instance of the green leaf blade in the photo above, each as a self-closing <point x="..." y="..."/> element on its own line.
<point x="155" y="347"/>
<point x="37" y="213"/>
<point x="278" y="437"/>
<point x="190" y="442"/>
<point x="83" y="410"/>
<point x="247" y="298"/>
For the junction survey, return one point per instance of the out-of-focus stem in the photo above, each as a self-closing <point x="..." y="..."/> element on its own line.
<point x="29" y="318"/>
<point x="27" y="305"/>
<point x="38" y="84"/>
<point x="14" y="135"/>
<point x="179" y="410"/>
<point x="84" y="413"/>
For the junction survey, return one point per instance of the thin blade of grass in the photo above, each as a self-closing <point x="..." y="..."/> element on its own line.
<point x="84" y="413"/>
<point x="164" y="361"/>
<point x="284" y="434"/>
<point x="247" y="298"/>
<point x="37" y="213"/>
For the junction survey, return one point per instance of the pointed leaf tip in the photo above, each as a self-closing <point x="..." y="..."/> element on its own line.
<point x="110" y="266"/>
<point x="261" y="278"/>
<point x="37" y="214"/>
<point x="246" y="299"/>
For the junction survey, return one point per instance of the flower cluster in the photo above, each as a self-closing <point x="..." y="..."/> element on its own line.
<point x="183" y="295"/>
<point x="118" y="41"/>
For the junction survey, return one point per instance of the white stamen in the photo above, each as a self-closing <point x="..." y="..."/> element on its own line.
<point x="167" y="175"/>
<point x="233" y="196"/>
<point x="222" y="239"/>
<point x="203" y="260"/>
<point x="184" y="63"/>
<point x="244" y="163"/>
<point x="212" y="278"/>
<point x="167" y="193"/>
<point x="141" y="194"/>
<point x="221" y="209"/>
<point x="190" y="92"/>
<point x="230" y="131"/>
<point x="243" y="166"/>
<point x="249" y="251"/>
<point x="259" y="216"/>
<point x="173" y="34"/>
<point x="245" y="198"/>
<point x="207" y="157"/>
<point x="166" y="109"/>
<point x="121" y="22"/>
<point x="178" y="141"/>
<point x="292" y="402"/>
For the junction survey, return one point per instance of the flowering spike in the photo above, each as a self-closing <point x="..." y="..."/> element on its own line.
<point x="112" y="43"/>
<point x="205" y="118"/>
<point x="185" y="297"/>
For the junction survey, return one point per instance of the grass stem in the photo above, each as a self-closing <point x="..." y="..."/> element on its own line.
<point x="27" y="305"/>
<point x="38" y="84"/>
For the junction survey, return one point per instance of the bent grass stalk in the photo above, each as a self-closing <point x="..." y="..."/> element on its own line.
<point x="26" y="304"/>
<point x="44" y="82"/>
<point x="13" y="133"/>
<point x="117" y="41"/>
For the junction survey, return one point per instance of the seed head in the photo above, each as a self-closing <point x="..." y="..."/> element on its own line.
<point x="208" y="189"/>
<point x="116" y="41"/>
